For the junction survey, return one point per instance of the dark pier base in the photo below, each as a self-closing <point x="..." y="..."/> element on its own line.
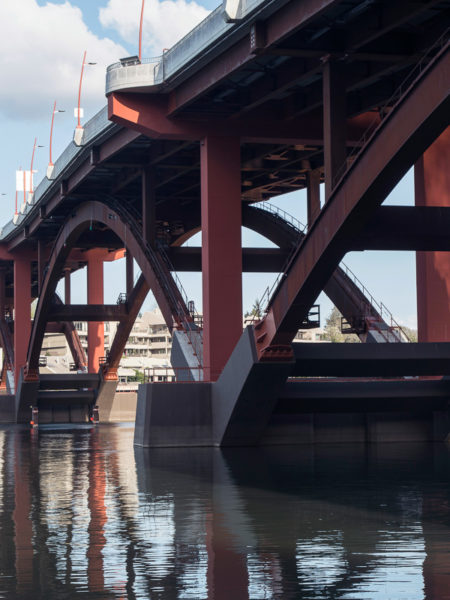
<point x="251" y="404"/>
<point x="180" y="415"/>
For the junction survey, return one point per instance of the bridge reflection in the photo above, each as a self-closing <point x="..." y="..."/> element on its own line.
<point x="83" y="513"/>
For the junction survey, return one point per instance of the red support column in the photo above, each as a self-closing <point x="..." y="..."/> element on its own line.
<point x="432" y="188"/>
<point x="221" y="250"/>
<point x="67" y="293"/>
<point x="313" y="195"/>
<point x="40" y="263"/>
<point x="96" y="330"/>
<point x="22" y="313"/>
<point x="334" y="123"/>
<point x="129" y="273"/>
<point x="2" y="294"/>
<point x="148" y="206"/>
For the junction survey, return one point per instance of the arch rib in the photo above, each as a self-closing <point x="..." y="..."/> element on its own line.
<point x="120" y="222"/>
<point x="419" y="117"/>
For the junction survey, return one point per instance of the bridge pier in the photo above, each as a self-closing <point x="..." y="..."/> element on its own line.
<point x="432" y="188"/>
<point x="96" y="330"/>
<point x="22" y="313"/>
<point x="221" y="250"/>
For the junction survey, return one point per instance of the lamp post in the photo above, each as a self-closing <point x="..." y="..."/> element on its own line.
<point x="79" y="129"/>
<point x="50" y="164"/>
<point x="35" y="145"/>
<point x="140" y="30"/>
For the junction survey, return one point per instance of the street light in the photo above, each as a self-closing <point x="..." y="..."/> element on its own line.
<point x="140" y="30"/>
<point x="35" y="145"/>
<point x="51" y="166"/>
<point x="79" y="129"/>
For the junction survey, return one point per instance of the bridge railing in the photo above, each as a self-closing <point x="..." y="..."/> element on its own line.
<point x="385" y="109"/>
<point x="380" y="308"/>
<point x="176" y="374"/>
<point x="172" y="287"/>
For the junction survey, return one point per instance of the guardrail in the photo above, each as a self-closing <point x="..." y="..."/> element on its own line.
<point x="176" y="374"/>
<point x="381" y="308"/>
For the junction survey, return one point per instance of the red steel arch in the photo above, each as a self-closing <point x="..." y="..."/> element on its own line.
<point x="155" y="274"/>
<point x="340" y="288"/>
<point x="418" y="118"/>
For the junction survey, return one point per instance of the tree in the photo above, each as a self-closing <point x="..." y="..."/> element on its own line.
<point x="256" y="310"/>
<point x="333" y="331"/>
<point x="411" y="333"/>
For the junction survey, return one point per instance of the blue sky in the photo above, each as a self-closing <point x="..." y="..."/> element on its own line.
<point x="42" y="45"/>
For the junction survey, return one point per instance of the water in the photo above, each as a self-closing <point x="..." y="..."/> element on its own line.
<point x="84" y="514"/>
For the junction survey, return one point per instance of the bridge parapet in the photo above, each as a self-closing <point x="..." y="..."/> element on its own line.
<point x="154" y="72"/>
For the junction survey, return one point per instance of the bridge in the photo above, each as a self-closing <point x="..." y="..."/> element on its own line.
<point x="260" y="99"/>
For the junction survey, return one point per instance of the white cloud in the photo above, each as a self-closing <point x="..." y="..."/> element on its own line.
<point x="42" y="50"/>
<point x="164" y="22"/>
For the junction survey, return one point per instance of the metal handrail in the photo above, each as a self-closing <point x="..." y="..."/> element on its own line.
<point x="143" y="61"/>
<point x="166" y="280"/>
<point x="301" y="228"/>
<point x="386" y="108"/>
<point x="364" y="141"/>
<point x="190" y="327"/>
<point x="285" y="216"/>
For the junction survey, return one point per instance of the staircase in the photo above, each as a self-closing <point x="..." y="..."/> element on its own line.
<point x="372" y="321"/>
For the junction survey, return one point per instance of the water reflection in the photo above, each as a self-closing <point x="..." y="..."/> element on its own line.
<point x="84" y="514"/>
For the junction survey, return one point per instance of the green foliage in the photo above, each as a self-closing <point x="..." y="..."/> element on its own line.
<point x="139" y="376"/>
<point x="256" y="310"/>
<point x="332" y="330"/>
<point x="411" y="333"/>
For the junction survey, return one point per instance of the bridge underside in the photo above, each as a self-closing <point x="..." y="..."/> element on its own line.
<point x="347" y="94"/>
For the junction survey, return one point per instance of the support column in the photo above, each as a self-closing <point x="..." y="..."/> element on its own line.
<point x="67" y="286"/>
<point x="129" y="273"/>
<point x="40" y="264"/>
<point x="221" y="250"/>
<point x="96" y="330"/>
<point x="313" y="195"/>
<point x="22" y="313"/>
<point x="148" y="206"/>
<point x="2" y="294"/>
<point x="432" y="188"/>
<point x="334" y="122"/>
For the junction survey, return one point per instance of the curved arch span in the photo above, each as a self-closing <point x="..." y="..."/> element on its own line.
<point x="121" y="223"/>
<point x="340" y="289"/>
<point x="418" y="118"/>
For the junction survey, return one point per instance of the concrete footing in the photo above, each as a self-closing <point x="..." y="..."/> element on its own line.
<point x="232" y="411"/>
<point x="251" y="404"/>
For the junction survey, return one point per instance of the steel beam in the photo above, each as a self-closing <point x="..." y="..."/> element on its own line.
<point x="67" y="286"/>
<point x="412" y="125"/>
<point x="407" y="228"/>
<point x="371" y="360"/>
<point x="89" y="312"/>
<point x="148" y="206"/>
<point x="313" y="195"/>
<point x="129" y="273"/>
<point x="254" y="260"/>
<point x="334" y="123"/>
<point x="135" y="301"/>
<point x="286" y="21"/>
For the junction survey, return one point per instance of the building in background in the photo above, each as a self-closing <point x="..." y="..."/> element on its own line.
<point x="148" y="347"/>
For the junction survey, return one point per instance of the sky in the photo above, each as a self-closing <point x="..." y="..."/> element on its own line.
<point x="41" y="49"/>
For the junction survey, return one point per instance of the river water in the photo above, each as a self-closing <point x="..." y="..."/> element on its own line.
<point x="84" y="514"/>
